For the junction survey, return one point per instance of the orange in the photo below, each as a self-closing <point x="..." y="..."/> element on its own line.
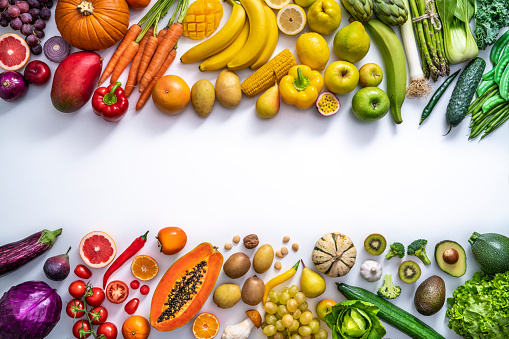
<point x="205" y="326"/>
<point x="144" y="267"/>
<point x="171" y="94"/>
<point x="97" y="249"/>
<point x="136" y="327"/>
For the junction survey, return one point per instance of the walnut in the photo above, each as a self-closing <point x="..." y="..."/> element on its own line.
<point x="228" y="246"/>
<point x="236" y="239"/>
<point x="284" y="250"/>
<point x="286" y="239"/>
<point x="278" y="265"/>
<point x="251" y="241"/>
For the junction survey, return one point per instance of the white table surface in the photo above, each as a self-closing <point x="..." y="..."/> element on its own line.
<point x="298" y="174"/>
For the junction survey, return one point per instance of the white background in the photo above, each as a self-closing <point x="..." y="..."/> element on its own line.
<point x="298" y="174"/>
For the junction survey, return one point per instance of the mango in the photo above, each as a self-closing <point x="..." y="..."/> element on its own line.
<point x="75" y="81"/>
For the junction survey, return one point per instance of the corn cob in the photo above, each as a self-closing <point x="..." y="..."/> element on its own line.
<point x="263" y="78"/>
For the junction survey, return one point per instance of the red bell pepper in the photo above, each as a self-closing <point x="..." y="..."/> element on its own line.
<point x="110" y="102"/>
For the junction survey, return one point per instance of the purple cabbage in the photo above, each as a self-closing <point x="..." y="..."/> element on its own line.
<point x="29" y="310"/>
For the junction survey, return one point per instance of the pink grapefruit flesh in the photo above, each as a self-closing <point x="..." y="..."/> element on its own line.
<point x="14" y="52"/>
<point x="97" y="249"/>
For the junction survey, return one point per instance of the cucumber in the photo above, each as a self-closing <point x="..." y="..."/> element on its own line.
<point x="491" y="251"/>
<point x="390" y="313"/>
<point x="464" y="92"/>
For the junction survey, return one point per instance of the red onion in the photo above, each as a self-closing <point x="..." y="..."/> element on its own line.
<point x="13" y="86"/>
<point x="56" y="49"/>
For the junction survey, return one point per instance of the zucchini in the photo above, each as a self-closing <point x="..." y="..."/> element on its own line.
<point x="390" y="313"/>
<point x="17" y="254"/>
<point x="464" y="92"/>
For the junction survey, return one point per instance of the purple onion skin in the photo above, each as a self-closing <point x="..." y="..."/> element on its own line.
<point x="13" y="86"/>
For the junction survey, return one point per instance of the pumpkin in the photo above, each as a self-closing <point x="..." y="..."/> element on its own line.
<point x="92" y="25"/>
<point x="334" y="254"/>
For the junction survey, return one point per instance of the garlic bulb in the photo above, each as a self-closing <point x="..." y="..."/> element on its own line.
<point x="371" y="270"/>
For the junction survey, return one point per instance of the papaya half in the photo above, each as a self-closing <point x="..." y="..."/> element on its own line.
<point x="185" y="287"/>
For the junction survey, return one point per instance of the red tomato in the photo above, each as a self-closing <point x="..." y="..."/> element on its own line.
<point x="77" y="289"/>
<point x="82" y="272"/>
<point x="75" y="309"/>
<point x="97" y="297"/>
<point x="135" y="284"/>
<point x="81" y="329"/>
<point x="171" y="240"/>
<point x="98" y="315"/>
<point x="144" y="289"/>
<point x="117" y="291"/>
<point x="132" y="306"/>
<point x="109" y="330"/>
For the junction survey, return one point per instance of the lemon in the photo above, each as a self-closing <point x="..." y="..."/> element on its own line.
<point x="277" y="4"/>
<point x="313" y="51"/>
<point x="351" y="43"/>
<point x="291" y="19"/>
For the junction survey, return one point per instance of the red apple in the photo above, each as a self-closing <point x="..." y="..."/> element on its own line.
<point x="324" y="307"/>
<point x="37" y="73"/>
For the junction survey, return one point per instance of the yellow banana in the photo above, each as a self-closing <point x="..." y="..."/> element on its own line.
<point x="219" y="41"/>
<point x="221" y="59"/>
<point x="257" y="36"/>
<point x="270" y="46"/>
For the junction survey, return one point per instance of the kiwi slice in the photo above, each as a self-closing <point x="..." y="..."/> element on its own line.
<point x="409" y="271"/>
<point x="375" y="244"/>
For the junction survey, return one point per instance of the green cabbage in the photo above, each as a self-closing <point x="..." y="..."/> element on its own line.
<point x="354" y="319"/>
<point x="480" y="307"/>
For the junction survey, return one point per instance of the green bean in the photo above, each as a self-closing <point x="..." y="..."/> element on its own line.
<point x="484" y="86"/>
<point x="487" y="131"/>
<point x="478" y="107"/>
<point x="436" y="96"/>
<point x="478" y="99"/>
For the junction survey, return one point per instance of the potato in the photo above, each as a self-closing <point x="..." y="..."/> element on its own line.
<point x="203" y="97"/>
<point x="263" y="258"/>
<point x="228" y="91"/>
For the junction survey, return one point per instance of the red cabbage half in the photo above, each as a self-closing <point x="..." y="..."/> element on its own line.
<point x="29" y="310"/>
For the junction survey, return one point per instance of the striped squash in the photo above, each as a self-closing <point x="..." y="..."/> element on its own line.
<point x="334" y="254"/>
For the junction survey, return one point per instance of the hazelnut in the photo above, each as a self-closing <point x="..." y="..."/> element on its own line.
<point x="228" y="246"/>
<point x="295" y="247"/>
<point x="279" y="254"/>
<point x="284" y="250"/>
<point x="251" y="241"/>
<point x="236" y="239"/>
<point x="278" y="265"/>
<point x="286" y="239"/>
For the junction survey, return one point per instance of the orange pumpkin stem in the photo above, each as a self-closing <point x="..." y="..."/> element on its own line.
<point x="86" y="8"/>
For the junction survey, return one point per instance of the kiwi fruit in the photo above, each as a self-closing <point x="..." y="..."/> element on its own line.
<point x="252" y="291"/>
<point x="409" y="271"/>
<point x="237" y="265"/>
<point x="375" y="244"/>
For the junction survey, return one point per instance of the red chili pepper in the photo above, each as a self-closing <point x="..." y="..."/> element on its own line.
<point x="110" y="102"/>
<point x="136" y="245"/>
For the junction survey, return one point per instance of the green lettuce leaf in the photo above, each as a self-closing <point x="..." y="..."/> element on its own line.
<point x="352" y="319"/>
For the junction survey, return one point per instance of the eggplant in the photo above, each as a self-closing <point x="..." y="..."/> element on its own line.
<point x="17" y="254"/>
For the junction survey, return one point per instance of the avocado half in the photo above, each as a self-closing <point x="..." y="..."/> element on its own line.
<point x="459" y="267"/>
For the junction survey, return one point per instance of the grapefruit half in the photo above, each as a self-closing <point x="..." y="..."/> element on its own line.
<point x="97" y="249"/>
<point x="14" y="52"/>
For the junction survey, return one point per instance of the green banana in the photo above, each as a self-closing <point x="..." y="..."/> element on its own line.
<point x="395" y="64"/>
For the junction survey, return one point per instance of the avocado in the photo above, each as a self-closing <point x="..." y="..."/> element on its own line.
<point x="451" y="258"/>
<point x="430" y="296"/>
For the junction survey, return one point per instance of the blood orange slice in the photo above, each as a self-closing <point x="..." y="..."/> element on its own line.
<point x="14" y="51"/>
<point x="97" y="249"/>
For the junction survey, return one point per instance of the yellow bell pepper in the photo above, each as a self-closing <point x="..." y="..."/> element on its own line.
<point x="301" y="86"/>
<point x="202" y="18"/>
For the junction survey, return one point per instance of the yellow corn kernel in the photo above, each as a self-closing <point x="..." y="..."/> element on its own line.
<point x="263" y="78"/>
<point x="202" y="12"/>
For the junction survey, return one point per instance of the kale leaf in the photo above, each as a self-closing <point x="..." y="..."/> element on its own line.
<point x="490" y="17"/>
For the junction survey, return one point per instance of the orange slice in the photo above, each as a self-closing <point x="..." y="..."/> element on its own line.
<point x="205" y="326"/>
<point x="144" y="267"/>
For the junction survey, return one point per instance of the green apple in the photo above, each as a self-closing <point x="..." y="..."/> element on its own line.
<point x="370" y="104"/>
<point x="370" y="75"/>
<point x="341" y="77"/>
<point x="324" y="307"/>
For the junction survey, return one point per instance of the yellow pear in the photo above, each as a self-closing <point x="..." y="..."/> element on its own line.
<point x="267" y="105"/>
<point x="312" y="284"/>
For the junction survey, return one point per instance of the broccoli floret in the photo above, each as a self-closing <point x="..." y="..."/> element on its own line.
<point x="397" y="249"/>
<point x="417" y="248"/>
<point x="388" y="290"/>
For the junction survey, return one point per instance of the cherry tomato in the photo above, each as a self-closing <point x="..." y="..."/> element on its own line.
<point x="132" y="306"/>
<point x="81" y="326"/>
<point x="109" y="330"/>
<point x="135" y="284"/>
<point x="144" y="289"/>
<point x="75" y="309"/>
<point x="82" y="272"/>
<point x="98" y="315"/>
<point x="171" y="240"/>
<point x="117" y="291"/>
<point x="77" y="289"/>
<point x="97" y="297"/>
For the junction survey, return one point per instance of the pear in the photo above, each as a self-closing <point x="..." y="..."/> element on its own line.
<point x="267" y="105"/>
<point x="312" y="284"/>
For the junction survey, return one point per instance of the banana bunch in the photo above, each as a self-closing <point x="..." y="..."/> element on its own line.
<point x="248" y="39"/>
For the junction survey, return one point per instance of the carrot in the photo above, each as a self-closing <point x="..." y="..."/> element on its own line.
<point x="148" y="91"/>
<point x="133" y="71"/>
<point x="129" y="37"/>
<point x="165" y="47"/>
<point x="147" y="56"/>
<point x="161" y="35"/>
<point x="124" y="61"/>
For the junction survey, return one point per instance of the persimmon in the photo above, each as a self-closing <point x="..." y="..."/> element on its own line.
<point x="171" y="240"/>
